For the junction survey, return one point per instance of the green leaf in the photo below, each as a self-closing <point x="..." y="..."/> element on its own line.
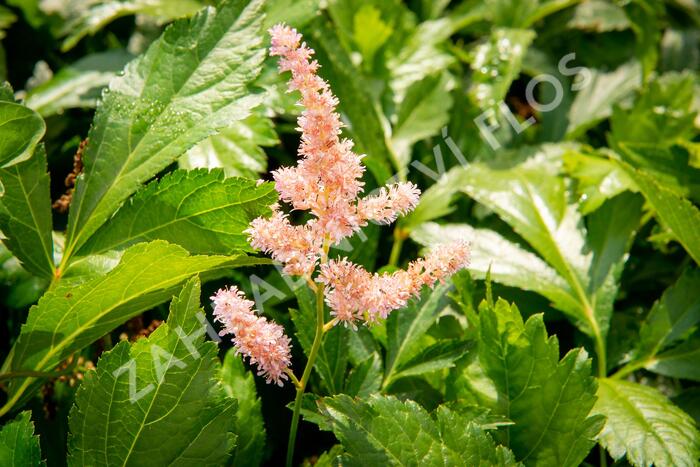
<point x="370" y="31"/>
<point x="645" y="426"/>
<point x="677" y="311"/>
<point x="532" y="198"/>
<point x="674" y="212"/>
<point x="496" y="63"/>
<point x="202" y="211"/>
<point x="423" y="111"/>
<point x="366" y="378"/>
<point x="250" y="429"/>
<point x="96" y="15"/>
<point x="548" y="400"/>
<point x="332" y="358"/>
<point x="438" y="356"/>
<point x="18" y="444"/>
<point x="598" y="16"/>
<point x="70" y="317"/>
<point x="20" y="131"/>
<point x="595" y="101"/>
<point x="679" y="362"/>
<point x="236" y="149"/>
<point x="156" y="397"/>
<point x="365" y="126"/>
<point x="190" y="83"/>
<point x="599" y="178"/>
<point x="25" y="213"/>
<point x="78" y="85"/>
<point x="405" y="327"/>
<point x="661" y="115"/>
<point x="382" y="430"/>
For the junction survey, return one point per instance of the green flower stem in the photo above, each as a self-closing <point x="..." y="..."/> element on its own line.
<point x="305" y="376"/>
<point x="399" y="236"/>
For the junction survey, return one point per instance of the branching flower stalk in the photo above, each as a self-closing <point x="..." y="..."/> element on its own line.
<point x="327" y="182"/>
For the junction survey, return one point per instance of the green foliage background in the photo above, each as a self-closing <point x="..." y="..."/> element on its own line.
<point x="559" y="137"/>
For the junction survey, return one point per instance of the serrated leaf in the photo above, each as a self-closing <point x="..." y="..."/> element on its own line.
<point x="674" y="212"/>
<point x="20" y="131"/>
<point x="25" y="213"/>
<point x="95" y="15"/>
<point x="250" y="429"/>
<point x="598" y="16"/>
<point x="202" y="211"/>
<point x="382" y="430"/>
<point x="404" y="328"/>
<point x="156" y="397"/>
<point x="69" y="317"/>
<point x="78" y="85"/>
<point x="533" y="199"/>
<point x="18" y="444"/>
<point x="643" y="425"/>
<point x="548" y="400"/>
<point x="236" y="149"/>
<point x="190" y="83"/>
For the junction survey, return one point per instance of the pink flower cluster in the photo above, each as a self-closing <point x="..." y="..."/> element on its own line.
<point x="327" y="182"/>
<point x="262" y="341"/>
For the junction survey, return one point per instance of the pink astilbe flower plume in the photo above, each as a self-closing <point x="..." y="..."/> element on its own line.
<point x="263" y="342"/>
<point x="327" y="182"/>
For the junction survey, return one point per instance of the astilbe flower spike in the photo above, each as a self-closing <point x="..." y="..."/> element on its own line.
<point x="327" y="182"/>
<point x="262" y="341"/>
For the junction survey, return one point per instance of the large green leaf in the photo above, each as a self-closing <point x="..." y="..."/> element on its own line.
<point x="68" y="317"/>
<point x="25" y="213"/>
<point x="250" y="430"/>
<point x="157" y="398"/>
<point x="78" y="85"/>
<point x="91" y="16"/>
<point x="405" y="327"/>
<point x="202" y="211"/>
<point x="678" y="362"/>
<point x="20" y="131"/>
<point x="533" y="200"/>
<point x="673" y="211"/>
<point x="644" y="425"/>
<point x="382" y="430"/>
<point x="549" y="400"/>
<point x="190" y="83"/>
<point x="18" y="444"/>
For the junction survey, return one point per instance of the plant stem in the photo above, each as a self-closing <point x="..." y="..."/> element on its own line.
<point x="399" y="236"/>
<point x="305" y="376"/>
<point x="33" y="374"/>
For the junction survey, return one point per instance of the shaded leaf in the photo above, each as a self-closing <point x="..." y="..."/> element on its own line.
<point x="18" y="444"/>
<point x="25" y="213"/>
<point x="20" y="131"/>
<point x="78" y="85"/>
